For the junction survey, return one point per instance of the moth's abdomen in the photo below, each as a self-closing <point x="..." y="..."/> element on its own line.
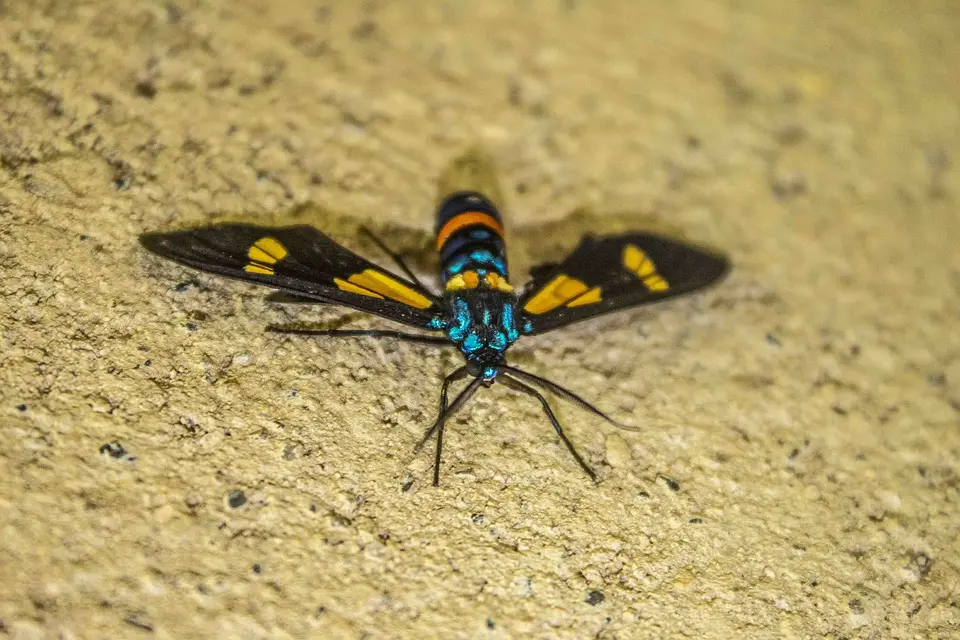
<point x="470" y="241"/>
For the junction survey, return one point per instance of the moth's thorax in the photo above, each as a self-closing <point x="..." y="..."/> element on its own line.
<point x="482" y="323"/>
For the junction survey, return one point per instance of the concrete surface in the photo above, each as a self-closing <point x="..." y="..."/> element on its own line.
<point x="169" y="470"/>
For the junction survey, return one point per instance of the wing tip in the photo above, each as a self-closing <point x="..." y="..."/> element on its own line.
<point x="152" y="241"/>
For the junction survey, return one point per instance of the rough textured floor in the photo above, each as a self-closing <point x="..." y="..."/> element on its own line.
<point x="168" y="470"/>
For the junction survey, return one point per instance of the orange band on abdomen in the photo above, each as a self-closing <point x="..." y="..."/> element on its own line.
<point x="466" y="219"/>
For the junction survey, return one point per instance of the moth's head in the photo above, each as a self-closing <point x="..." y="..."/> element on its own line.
<point x="486" y="369"/>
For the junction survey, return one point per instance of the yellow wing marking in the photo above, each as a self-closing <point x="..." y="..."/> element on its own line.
<point x="379" y="285"/>
<point x="590" y="297"/>
<point x="257" y="268"/>
<point x="637" y="262"/>
<point x="343" y="285"/>
<point x="263" y="254"/>
<point x="558" y="291"/>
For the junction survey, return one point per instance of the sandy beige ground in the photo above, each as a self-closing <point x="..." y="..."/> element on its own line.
<point x="798" y="473"/>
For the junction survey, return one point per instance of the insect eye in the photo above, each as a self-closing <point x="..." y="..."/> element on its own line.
<point x="473" y="368"/>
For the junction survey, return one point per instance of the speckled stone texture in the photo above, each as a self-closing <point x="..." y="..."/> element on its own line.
<point x="170" y="471"/>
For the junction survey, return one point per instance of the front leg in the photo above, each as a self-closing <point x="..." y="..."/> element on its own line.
<point x="459" y="374"/>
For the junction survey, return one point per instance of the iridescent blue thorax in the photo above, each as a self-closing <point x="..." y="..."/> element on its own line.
<point x="482" y="325"/>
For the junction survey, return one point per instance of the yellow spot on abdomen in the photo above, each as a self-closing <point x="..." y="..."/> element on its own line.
<point x="471" y="280"/>
<point x="456" y="283"/>
<point x="494" y="281"/>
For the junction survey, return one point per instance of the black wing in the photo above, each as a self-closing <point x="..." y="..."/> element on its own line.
<point x="301" y="261"/>
<point x="614" y="272"/>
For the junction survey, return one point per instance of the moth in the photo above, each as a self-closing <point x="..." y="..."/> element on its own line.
<point x="479" y="311"/>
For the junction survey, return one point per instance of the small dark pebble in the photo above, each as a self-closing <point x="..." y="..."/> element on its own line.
<point x="736" y="90"/>
<point x="138" y="621"/>
<point x="114" y="449"/>
<point x="491" y="624"/>
<point x="364" y="30"/>
<point x="21" y="407"/>
<point x="174" y="14"/>
<point x="190" y="326"/>
<point x="856" y="606"/>
<point x="406" y="485"/>
<point x="772" y="339"/>
<point x="937" y="379"/>
<point x="514" y="94"/>
<point x="83" y="237"/>
<point x="477" y="518"/>
<point x="696" y="521"/>
<point x="791" y="134"/>
<point x="674" y="486"/>
<point x="788" y="185"/>
<point x="146" y="89"/>
<point x="594" y="598"/>
<point x="183" y="286"/>
<point x="840" y="411"/>
<point x="921" y="563"/>
<point x="257" y="569"/>
<point x="236" y="499"/>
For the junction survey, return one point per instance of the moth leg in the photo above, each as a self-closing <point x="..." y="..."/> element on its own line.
<point x="455" y="406"/>
<point x="517" y="385"/>
<point x="361" y="333"/>
<point x="393" y="256"/>
<point x="459" y="374"/>
<point x="566" y="394"/>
